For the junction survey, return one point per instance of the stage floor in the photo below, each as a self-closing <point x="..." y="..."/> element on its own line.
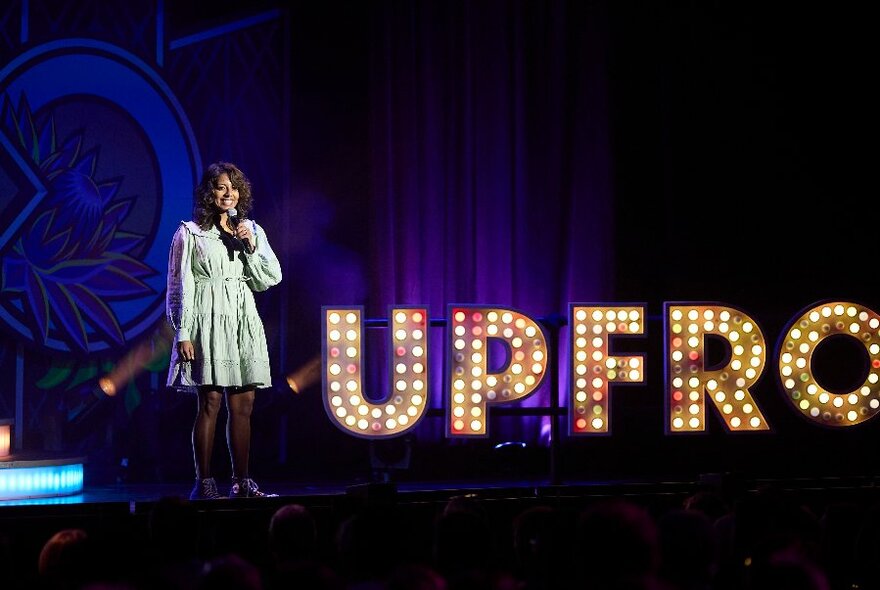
<point x="141" y="496"/>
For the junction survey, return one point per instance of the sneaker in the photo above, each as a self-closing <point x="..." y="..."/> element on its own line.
<point x="205" y="489"/>
<point x="247" y="488"/>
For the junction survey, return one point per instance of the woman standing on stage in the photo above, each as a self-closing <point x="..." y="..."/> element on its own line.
<point x="216" y="263"/>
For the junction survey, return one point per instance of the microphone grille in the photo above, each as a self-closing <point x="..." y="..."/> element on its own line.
<point x="232" y="212"/>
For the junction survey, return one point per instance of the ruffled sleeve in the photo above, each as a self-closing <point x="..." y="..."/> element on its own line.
<point x="180" y="296"/>
<point x="262" y="267"/>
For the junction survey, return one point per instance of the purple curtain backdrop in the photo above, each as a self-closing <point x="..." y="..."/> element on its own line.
<point x="490" y="166"/>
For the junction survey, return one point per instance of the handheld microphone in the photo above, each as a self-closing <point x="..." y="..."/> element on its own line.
<point x="232" y="215"/>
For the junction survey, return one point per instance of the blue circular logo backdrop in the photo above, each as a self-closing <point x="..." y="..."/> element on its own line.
<point x="97" y="165"/>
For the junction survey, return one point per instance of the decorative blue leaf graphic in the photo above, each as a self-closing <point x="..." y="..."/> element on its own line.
<point x="123" y="242"/>
<point x="114" y="283"/>
<point x="99" y="314"/>
<point x="39" y="303"/>
<point x="73" y="258"/>
<point x="130" y="266"/>
<point x="76" y="271"/>
<point x="68" y="314"/>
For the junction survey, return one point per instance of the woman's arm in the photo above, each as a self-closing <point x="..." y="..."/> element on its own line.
<point x="179" y="296"/>
<point x="263" y="268"/>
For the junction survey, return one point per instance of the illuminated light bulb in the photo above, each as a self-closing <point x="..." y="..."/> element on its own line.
<point x="351" y="318"/>
<point x="333" y="318"/>
<point x="107" y="386"/>
<point x="351" y="335"/>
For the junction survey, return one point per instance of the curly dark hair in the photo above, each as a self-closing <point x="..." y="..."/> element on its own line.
<point x="204" y="210"/>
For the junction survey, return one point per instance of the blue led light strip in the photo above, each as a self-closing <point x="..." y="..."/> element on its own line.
<point x="40" y="482"/>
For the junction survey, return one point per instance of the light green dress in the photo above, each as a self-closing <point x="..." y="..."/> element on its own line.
<point x="210" y="301"/>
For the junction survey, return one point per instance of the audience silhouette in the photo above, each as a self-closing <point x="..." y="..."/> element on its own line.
<point x="766" y="539"/>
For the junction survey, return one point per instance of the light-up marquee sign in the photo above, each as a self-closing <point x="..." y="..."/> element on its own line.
<point x="475" y="380"/>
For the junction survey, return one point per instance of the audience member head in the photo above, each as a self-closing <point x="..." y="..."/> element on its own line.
<point x="230" y="572"/>
<point x="293" y="534"/>
<point x="617" y="544"/>
<point x="463" y="538"/>
<point x="304" y="575"/>
<point x="786" y="572"/>
<point x="364" y="542"/>
<point x="414" y="576"/>
<point x="66" y="559"/>
<point x="688" y="549"/>
<point x="710" y="503"/>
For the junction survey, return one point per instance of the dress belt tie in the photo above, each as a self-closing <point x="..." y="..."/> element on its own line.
<point x="240" y="279"/>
